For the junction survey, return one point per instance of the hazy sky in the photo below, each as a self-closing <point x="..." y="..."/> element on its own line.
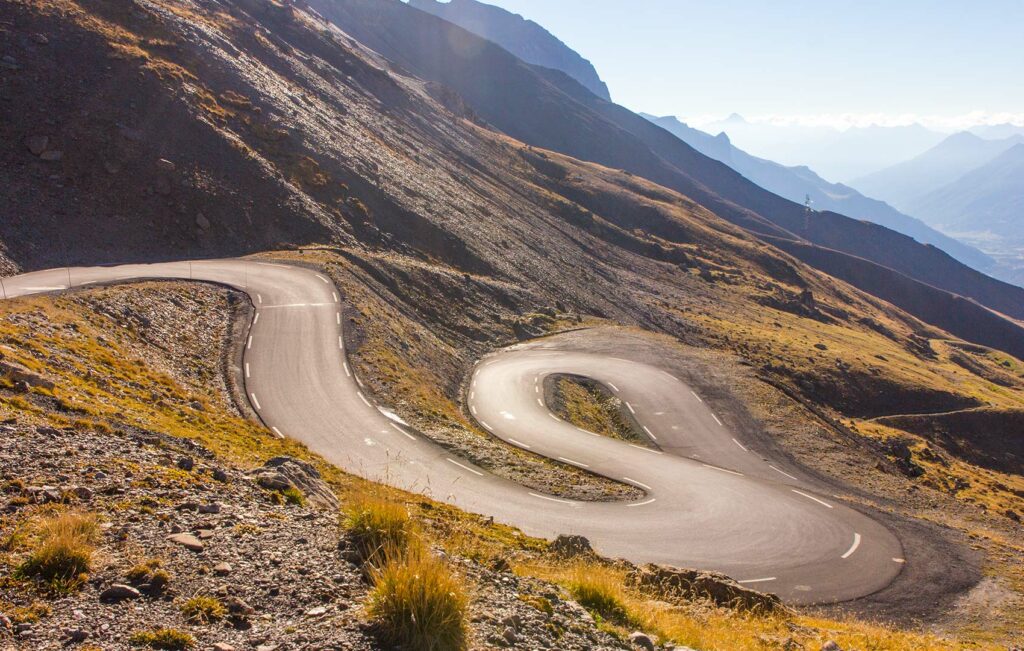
<point x="886" y="61"/>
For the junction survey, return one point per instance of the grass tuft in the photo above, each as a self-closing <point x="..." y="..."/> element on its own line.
<point x="600" y="590"/>
<point x="418" y="602"/>
<point x="203" y="610"/>
<point x="375" y="524"/>
<point x="62" y="550"/>
<point x="163" y="638"/>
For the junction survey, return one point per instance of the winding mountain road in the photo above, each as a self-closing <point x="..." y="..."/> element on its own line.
<point x="710" y="502"/>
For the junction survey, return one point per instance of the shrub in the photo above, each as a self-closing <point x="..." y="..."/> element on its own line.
<point x="62" y="550"/>
<point x="599" y="589"/>
<point x="150" y="571"/>
<point x="417" y="602"/>
<point x="375" y="524"/>
<point x="203" y="610"/>
<point x="163" y="638"/>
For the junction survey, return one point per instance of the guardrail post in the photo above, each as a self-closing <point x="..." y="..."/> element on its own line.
<point x="69" y="277"/>
<point x="4" y="287"/>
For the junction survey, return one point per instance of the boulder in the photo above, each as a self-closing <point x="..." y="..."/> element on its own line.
<point x="569" y="546"/>
<point x="20" y="374"/>
<point x="675" y="584"/>
<point x="186" y="540"/>
<point x="640" y="640"/>
<point x="282" y="473"/>
<point x="119" y="592"/>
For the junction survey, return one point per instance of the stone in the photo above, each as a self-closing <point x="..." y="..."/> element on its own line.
<point x="679" y="585"/>
<point x="51" y="155"/>
<point x="83" y="493"/>
<point x="319" y="611"/>
<point x="165" y="165"/>
<point x="202" y="222"/>
<point x="119" y="592"/>
<point x="219" y="475"/>
<point x="509" y="635"/>
<point x="186" y="464"/>
<point x="281" y="473"/>
<point x="5" y="623"/>
<point x="41" y="39"/>
<point x="187" y="540"/>
<point x="76" y="635"/>
<point x="641" y="641"/>
<point x="239" y="608"/>
<point x="223" y="646"/>
<point x="37" y="144"/>
<point x="210" y="509"/>
<point x="222" y="569"/>
<point x="830" y="646"/>
<point x="565" y="545"/>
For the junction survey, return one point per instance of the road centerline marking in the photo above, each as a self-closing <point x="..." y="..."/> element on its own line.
<point x="553" y="499"/>
<point x="731" y="472"/>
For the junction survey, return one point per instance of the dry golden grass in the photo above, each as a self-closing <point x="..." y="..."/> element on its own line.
<point x="167" y="639"/>
<point x="203" y="609"/>
<point x="418" y="602"/>
<point x="376" y="524"/>
<point x="60" y="550"/>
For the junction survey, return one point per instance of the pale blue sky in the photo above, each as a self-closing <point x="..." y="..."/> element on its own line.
<point x="940" y="58"/>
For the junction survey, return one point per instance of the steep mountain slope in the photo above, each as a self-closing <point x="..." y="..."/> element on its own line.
<point x="836" y="154"/>
<point x="547" y="109"/>
<point x="798" y="183"/>
<point x="523" y="38"/>
<point x="905" y="184"/>
<point x="986" y="201"/>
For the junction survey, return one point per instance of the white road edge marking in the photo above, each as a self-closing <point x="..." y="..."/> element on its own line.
<point x="853" y="548"/>
<point x="637" y="483"/>
<point x="259" y="299"/>
<point x="335" y="295"/>
<point x="255" y="401"/>
<point x="731" y="472"/>
<point x="553" y="416"/>
<point x="614" y="388"/>
<point x="278" y="432"/>
<point x="899" y="560"/>
<point x="811" y="497"/>
<point x="716" y="419"/>
<point x="326" y="282"/>
<point x="650" y="433"/>
<point x="472" y="408"/>
<point x="475" y="472"/>
<point x="395" y="425"/>
<point x="575" y="463"/>
<point x="341" y="343"/>
<point x="653" y="499"/>
<point x="247" y="369"/>
<point x="485" y="426"/>
<point x="631" y="410"/>
<point x="699" y="399"/>
<point x="741" y="445"/>
<point x="249" y="345"/>
<point x="363" y="398"/>
<point x="781" y="472"/>
<point x="347" y="372"/>
<point x="256" y="319"/>
<point x="767" y="578"/>
<point x="553" y="499"/>
<point x="519" y="443"/>
<point x="640" y="447"/>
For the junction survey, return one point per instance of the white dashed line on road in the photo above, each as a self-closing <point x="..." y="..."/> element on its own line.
<point x="410" y="436"/>
<point x="637" y="483"/>
<point x="485" y="426"/>
<point x="249" y="345"/>
<point x="716" y="419"/>
<point x="255" y="401"/>
<point x="256" y="319"/>
<point x="472" y="408"/>
<point x="347" y="372"/>
<point x="640" y="447"/>
<point x="335" y="295"/>
<point x="575" y="463"/>
<point x="247" y="370"/>
<point x="326" y="282"/>
<point x="650" y="433"/>
<point x="853" y="548"/>
<point x="767" y="578"/>
<point x="519" y="443"/>
<point x="475" y="472"/>
<point x="540" y="402"/>
<point x="631" y="410"/>
<point x="338" y="317"/>
<point x="781" y="472"/>
<point x="653" y="499"/>
<point x="811" y="497"/>
<point x="699" y="399"/>
<point x="363" y="398"/>
<point x="553" y="499"/>
<point x="731" y="472"/>
<point x="614" y="388"/>
<point x="742" y="447"/>
<point x="278" y="432"/>
<point x="553" y="416"/>
<point x="341" y="343"/>
<point x="899" y="560"/>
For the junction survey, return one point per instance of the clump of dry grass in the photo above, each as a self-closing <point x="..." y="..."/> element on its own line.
<point x="375" y="524"/>
<point x="151" y="572"/>
<point x="163" y="638"/>
<point x="600" y="590"/>
<point x="418" y="602"/>
<point x="61" y="551"/>
<point x="203" y="609"/>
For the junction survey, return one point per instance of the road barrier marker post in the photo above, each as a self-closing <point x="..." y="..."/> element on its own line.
<point x="4" y="287"/>
<point x="69" y="277"/>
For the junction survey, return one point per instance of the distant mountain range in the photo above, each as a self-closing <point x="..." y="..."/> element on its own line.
<point x="907" y="184"/>
<point x="523" y="38"/>
<point x="797" y="183"/>
<point x="983" y="204"/>
<point x="834" y="154"/>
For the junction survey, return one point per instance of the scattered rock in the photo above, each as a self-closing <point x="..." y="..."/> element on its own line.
<point x="222" y="569"/>
<point x="675" y="584"/>
<point x="41" y="39"/>
<point x="52" y="155"/>
<point x="569" y="546"/>
<point x="238" y="608"/>
<point x="165" y="166"/>
<point x="210" y="509"/>
<point x="223" y="646"/>
<point x="641" y="641"/>
<point x="119" y="592"/>
<point x="219" y="475"/>
<point x="186" y="540"/>
<point x="202" y="222"/>
<point x="281" y="473"/>
<point x="186" y="464"/>
<point x="830" y="646"/>
<point x="319" y="611"/>
<point x="77" y="635"/>
<point x="509" y="635"/>
<point x="37" y="144"/>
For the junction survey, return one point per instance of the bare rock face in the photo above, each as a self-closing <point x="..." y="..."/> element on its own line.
<point x="570" y="546"/>
<point x="671" y="583"/>
<point x="21" y="375"/>
<point x="282" y="473"/>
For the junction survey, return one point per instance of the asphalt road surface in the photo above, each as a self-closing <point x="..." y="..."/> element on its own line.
<point x="710" y="502"/>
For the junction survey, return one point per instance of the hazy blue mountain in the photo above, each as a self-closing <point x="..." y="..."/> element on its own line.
<point x="986" y="203"/>
<point x="797" y="183"/>
<point x="998" y="131"/>
<point x="523" y="38"/>
<point x="836" y="155"/>
<point x="906" y="184"/>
